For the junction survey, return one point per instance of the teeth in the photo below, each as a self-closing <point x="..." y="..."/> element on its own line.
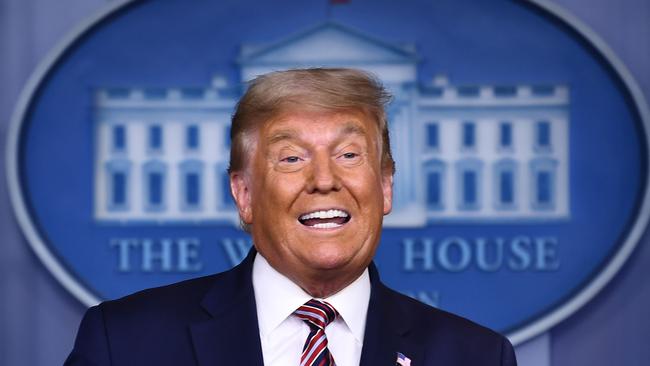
<point x="329" y="214"/>
<point x="327" y="225"/>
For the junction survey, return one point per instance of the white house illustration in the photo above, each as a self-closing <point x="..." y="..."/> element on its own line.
<point x="463" y="152"/>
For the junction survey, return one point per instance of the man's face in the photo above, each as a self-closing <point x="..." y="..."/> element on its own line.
<point x="315" y="195"/>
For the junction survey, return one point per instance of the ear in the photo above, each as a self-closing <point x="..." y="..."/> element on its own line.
<point x="240" y="190"/>
<point x="387" y="189"/>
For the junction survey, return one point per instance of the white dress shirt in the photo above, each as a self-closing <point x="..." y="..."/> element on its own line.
<point x="283" y="336"/>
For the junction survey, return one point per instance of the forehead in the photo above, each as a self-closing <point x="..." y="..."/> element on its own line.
<point x="301" y="124"/>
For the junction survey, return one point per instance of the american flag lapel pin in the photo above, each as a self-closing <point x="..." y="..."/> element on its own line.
<point x="402" y="360"/>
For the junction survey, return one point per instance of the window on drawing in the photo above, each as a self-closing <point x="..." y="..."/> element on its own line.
<point x="433" y="136"/>
<point x="192" y="189"/>
<point x="506" y="187"/>
<point x="192" y="137"/>
<point x="118" y="188"/>
<point x="543" y="176"/>
<point x="226" y="197"/>
<point x="544" y="193"/>
<point x="226" y="136"/>
<point x="434" y="189"/>
<point x="155" y="137"/>
<point x="543" y="135"/>
<point x="469" y="132"/>
<point x="470" y="196"/>
<point x="119" y="137"/>
<point x="505" y="135"/>
<point x="155" y="183"/>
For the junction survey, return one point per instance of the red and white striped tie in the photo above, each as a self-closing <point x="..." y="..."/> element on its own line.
<point x="317" y="314"/>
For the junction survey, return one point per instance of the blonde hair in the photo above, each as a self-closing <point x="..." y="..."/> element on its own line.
<point x="322" y="89"/>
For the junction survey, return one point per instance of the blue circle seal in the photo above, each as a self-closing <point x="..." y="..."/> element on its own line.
<point x="521" y="144"/>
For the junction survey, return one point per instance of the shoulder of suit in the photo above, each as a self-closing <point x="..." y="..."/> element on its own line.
<point x="431" y="321"/>
<point x="179" y="301"/>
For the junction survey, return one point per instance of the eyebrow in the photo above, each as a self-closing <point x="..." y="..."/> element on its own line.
<point x="350" y="128"/>
<point x="282" y="135"/>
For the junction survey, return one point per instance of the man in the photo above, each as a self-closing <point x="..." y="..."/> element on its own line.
<point x="312" y="176"/>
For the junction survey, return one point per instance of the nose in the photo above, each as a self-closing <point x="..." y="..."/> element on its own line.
<point x="323" y="175"/>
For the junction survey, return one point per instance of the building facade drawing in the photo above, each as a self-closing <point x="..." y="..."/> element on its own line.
<point x="463" y="152"/>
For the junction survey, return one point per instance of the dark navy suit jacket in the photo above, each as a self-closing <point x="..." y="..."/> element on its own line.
<point x="213" y="321"/>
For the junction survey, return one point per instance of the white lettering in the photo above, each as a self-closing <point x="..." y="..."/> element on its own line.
<point x="456" y="254"/>
<point x="162" y="255"/>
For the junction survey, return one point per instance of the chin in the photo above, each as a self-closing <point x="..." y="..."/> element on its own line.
<point x="329" y="260"/>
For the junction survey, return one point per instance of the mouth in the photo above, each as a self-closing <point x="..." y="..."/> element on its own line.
<point x="325" y="219"/>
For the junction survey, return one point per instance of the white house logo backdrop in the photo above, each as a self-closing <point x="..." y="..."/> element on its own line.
<point x="521" y="155"/>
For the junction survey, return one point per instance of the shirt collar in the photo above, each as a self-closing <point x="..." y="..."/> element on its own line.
<point x="352" y="304"/>
<point x="277" y="297"/>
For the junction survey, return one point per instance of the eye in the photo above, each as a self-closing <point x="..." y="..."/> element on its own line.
<point x="350" y="158"/>
<point x="290" y="159"/>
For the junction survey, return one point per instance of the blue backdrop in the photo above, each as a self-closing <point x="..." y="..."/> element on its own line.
<point x="37" y="314"/>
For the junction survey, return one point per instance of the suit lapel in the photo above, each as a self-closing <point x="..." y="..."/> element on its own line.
<point x="387" y="328"/>
<point x="231" y="335"/>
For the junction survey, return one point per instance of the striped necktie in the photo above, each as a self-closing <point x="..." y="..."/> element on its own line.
<point x="317" y="314"/>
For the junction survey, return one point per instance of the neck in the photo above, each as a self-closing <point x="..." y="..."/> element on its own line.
<point x="324" y="285"/>
<point x="319" y="283"/>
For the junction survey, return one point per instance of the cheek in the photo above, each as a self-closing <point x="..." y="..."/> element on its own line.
<point x="366" y="186"/>
<point x="277" y="190"/>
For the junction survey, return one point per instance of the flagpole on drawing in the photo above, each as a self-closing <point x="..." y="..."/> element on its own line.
<point x="334" y="2"/>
